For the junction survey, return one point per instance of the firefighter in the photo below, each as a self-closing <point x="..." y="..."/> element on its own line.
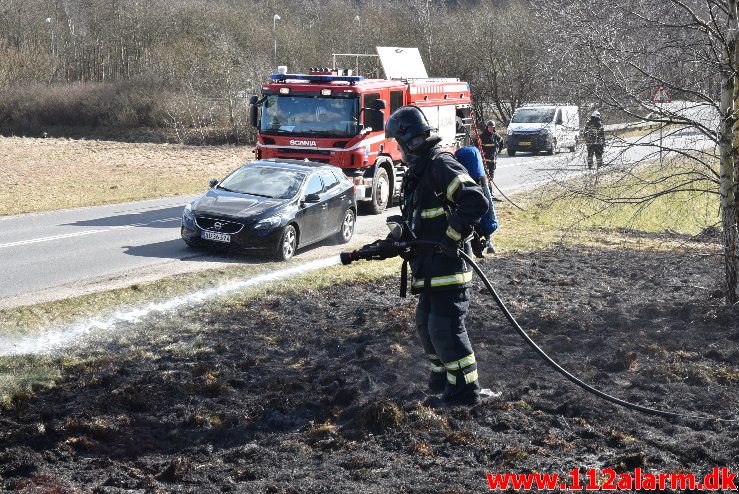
<point x="595" y="139"/>
<point x="440" y="203"/>
<point x="492" y="144"/>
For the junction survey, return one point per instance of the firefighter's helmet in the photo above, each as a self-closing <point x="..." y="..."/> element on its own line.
<point x="489" y="123"/>
<point x="409" y="126"/>
<point x="595" y="115"/>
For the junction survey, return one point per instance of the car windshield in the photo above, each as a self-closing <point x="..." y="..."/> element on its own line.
<point x="533" y="115"/>
<point x="310" y="116"/>
<point x="264" y="181"/>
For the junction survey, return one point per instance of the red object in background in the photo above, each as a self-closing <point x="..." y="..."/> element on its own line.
<point x="660" y="95"/>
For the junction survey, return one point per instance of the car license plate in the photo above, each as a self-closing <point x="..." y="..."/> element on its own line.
<point x="218" y="237"/>
<point x="524" y="143"/>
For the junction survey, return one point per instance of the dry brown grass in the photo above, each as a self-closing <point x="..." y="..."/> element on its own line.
<point x="49" y="174"/>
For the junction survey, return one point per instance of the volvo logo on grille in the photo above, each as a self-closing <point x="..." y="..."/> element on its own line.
<point x="217" y="225"/>
<point x="294" y="142"/>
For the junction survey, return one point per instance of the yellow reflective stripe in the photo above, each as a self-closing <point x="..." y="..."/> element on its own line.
<point x="471" y="377"/>
<point x="433" y="356"/>
<point x="461" y="363"/>
<point x="432" y="213"/>
<point x="453" y="279"/>
<point x="488" y="145"/>
<point x="453" y="234"/>
<point x="455" y="183"/>
<point x="437" y="368"/>
<point x="451" y="378"/>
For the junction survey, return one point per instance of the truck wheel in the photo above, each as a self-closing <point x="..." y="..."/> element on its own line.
<point x="380" y="192"/>
<point x="511" y="152"/>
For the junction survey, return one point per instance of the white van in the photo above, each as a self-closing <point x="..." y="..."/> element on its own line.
<point x="547" y="128"/>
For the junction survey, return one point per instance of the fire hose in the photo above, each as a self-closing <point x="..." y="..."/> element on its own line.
<point x="372" y="252"/>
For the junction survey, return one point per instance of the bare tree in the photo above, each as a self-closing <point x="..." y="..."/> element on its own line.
<point x="623" y="52"/>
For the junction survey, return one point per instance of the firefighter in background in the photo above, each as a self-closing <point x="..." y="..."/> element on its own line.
<point x="441" y="202"/>
<point x="492" y="144"/>
<point x="595" y="139"/>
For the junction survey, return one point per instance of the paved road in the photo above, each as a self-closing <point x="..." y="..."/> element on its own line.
<point x="64" y="253"/>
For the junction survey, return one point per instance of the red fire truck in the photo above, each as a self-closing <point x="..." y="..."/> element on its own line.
<point x="331" y="117"/>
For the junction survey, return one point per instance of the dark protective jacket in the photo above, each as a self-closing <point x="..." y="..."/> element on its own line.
<point x="441" y="202"/>
<point x="492" y="144"/>
<point x="593" y="132"/>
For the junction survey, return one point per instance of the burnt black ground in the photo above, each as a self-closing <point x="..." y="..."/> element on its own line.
<point x="321" y="392"/>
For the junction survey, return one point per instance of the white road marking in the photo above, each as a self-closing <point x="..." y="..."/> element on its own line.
<point x="80" y="234"/>
<point x="48" y="239"/>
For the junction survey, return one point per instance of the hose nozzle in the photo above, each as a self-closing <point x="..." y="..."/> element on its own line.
<point x="348" y="257"/>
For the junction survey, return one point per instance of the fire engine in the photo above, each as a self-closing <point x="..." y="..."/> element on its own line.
<point x="332" y="116"/>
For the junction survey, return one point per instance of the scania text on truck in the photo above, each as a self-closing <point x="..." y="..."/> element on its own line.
<point x="332" y="117"/>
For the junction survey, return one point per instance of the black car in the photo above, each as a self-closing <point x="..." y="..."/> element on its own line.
<point x="273" y="206"/>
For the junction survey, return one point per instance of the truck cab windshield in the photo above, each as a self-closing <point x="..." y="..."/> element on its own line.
<point x="533" y="115"/>
<point x="310" y="116"/>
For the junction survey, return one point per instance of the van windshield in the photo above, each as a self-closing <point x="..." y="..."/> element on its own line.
<point x="533" y="115"/>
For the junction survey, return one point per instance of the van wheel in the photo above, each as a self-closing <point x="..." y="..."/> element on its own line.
<point x="511" y="152"/>
<point x="572" y="149"/>
<point x="553" y="150"/>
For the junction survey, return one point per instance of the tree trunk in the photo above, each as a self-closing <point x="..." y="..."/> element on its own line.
<point x="729" y="144"/>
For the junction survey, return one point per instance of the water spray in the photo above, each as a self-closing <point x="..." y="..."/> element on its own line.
<point x="56" y="339"/>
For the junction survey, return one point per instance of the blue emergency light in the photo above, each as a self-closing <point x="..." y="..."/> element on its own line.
<point x="318" y="78"/>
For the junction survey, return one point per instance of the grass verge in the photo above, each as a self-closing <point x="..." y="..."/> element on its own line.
<point x="578" y="215"/>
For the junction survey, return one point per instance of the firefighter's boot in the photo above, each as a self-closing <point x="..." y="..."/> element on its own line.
<point x="463" y="386"/>
<point x="490" y="246"/>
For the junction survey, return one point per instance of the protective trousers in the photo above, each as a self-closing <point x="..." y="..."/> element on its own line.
<point x="490" y="164"/>
<point x="440" y="325"/>
<point x="597" y="150"/>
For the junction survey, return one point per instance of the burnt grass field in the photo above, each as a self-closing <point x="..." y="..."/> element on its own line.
<point x="322" y="392"/>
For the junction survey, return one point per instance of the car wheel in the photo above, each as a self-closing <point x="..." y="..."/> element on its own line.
<point x="380" y="192"/>
<point x="346" y="231"/>
<point x="511" y="152"/>
<point x="288" y="244"/>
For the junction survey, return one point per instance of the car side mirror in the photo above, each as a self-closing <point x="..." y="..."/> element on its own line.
<point x="212" y="182"/>
<point x="312" y="198"/>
